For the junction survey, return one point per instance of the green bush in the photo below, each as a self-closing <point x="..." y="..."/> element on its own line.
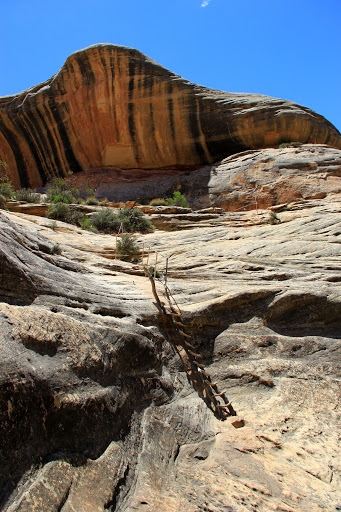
<point x="158" y="202"/>
<point x="60" y="192"/>
<point x="178" y="199"/>
<point x="91" y="200"/>
<point x="59" y="211"/>
<point x="77" y="217"/>
<point x="2" y="202"/>
<point x="126" y="246"/>
<point x="6" y="189"/>
<point x="290" y="145"/>
<point x="133" y="220"/>
<point x="86" y="224"/>
<point x="28" y="195"/>
<point x="105" y="220"/>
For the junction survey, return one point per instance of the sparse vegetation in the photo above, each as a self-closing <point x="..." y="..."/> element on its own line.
<point x="131" y="219"/>
<point x="106" y="221"/>
<point x="56" y="249"/>
<point x="152" y="272"/>
<point x="158" y="202"/>
<point x="2" y="202"/>
<point x="126" y="246"/>
<point x="28" y="195"/>
<point x="178" y="199"/>
<point x="59" y="211"/>
<point x="53" y="225"/>
<point x="60" y="192"/>
<point x="91" y="200"/>
<point x="290" y="145"/>
<point x="273" y="219"/>
<point x="86" y="224"/>
<point x="6" y="188"/>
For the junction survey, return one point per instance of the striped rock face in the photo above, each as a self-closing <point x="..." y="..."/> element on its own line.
<point x="112" y="107"/>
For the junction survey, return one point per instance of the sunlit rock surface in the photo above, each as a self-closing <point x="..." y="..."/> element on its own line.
<point x="97" y="413"/>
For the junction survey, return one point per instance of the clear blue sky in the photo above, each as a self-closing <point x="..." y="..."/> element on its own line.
<point x="284" y="48"/>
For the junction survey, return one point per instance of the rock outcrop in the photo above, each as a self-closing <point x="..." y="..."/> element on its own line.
<point x="245" y="181"/>
<point x="112" y="107"/>
<point x="97" y="413"/>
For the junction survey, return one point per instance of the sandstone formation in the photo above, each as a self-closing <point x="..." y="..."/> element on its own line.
<point x="111" y="107"/>
<point x="245" y="181"/>
<point x="97" y="413"/>
<point x="260" y="179"/>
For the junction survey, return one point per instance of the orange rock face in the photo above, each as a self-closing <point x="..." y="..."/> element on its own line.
<point x="112" y="107"/>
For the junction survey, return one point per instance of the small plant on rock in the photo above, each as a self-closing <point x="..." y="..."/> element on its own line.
<point x="59" y="211"/>
<point x="126" y="246"/>
<point x="91" y="200"/>
<point x="178" y="199"/>
<point x="6" y="188"/>
<point x="56" y="249"/>
<point x="158" y="202"/>
<point x="60" y="192"/>
<point x="106" y="221"/>
<point x="2" y="202"/>
<point x="273" y="219"/>
<point x="133" y="220"/>
<point x="28" y="195"/>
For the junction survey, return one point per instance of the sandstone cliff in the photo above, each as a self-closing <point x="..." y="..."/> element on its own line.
<point x="112" y="107"/>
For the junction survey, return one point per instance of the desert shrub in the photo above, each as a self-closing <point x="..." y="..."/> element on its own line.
<point x="151" y="271"/>
<point x="60" y="192"/>
<point x="53" y="225"/>
<point x="59" y="211"/>
<point x="56" y="249"/>
<point x="158" y="202"/>
<point x="133" y="220"/>
<point x="77" y="217"/>
<point x="28" y="195"/>
<point x="126" y="246"/>
<point x="6" y="189"/>
<point x="105" y="220"/>
<point x="273" y="219"/>
<point x="86" y="224"/>
<point x="91" y="200"/>
<point x="2" y="202"/>
<point x="290" y="145"/>
<point x="89" y="192"/>
<point x="178" y="199"/>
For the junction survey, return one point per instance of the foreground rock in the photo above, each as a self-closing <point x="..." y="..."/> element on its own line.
<point x="112" y="108"/>
<point x="96" y="411"/>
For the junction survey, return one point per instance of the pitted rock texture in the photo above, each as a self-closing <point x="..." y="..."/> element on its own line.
<point x="269" y="177"/>
<point x="97" y="413"/>
<point x="113" y="107"/>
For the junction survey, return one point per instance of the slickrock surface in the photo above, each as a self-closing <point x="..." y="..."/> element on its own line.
<point x="112" y="107"/>
<point x="96" y="411"/>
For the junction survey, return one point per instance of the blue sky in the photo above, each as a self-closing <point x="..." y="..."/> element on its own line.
<point x="288" y="49"/>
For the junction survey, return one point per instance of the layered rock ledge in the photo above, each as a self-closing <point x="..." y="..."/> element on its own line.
<point x="96" y="411"/>
<point x="112" y="107"/>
